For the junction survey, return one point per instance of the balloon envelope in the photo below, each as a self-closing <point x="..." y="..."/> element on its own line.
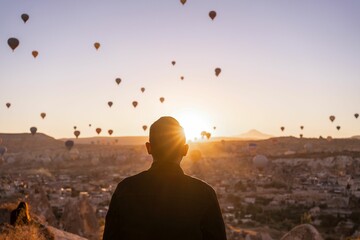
<point x="118" y="81"/>
<point x="110" y="132"/>
<point x="134" y="103"/>
<point x="217" y="71"/>
<point x="301" y="127"/>
<point x="356" y="115"/>
<point x="69" y="144"/>
<point x="173" y="63"/>
<point x="212" y="15"/>
<point x="282" y="128"/>
<point x="260" y="161"/>
<point x="208" y="135"/>
<point x="97" y="45"/>
<point x="33" y="130"/>
<point x="24" y="17"/>
<point x="162" y="99"/>
<point x="183" y="1"/>
<point x="98" y="130"/>
<point x="13" y="43"/>
<point x="338" y="128"/>
<point x="332" y="118"/>
<point x="43" y="115"/>
<point x="77" y="133"/>
<point x="110" y="103"/>
<point x="8" y="105"/>
<point x="144" y="127"/>
<point x="182" y="77"/>
<point x="142" y="89"/>
<point x="35" y="53"/>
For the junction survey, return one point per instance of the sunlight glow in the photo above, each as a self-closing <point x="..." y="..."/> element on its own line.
<point x="193" y="123"/>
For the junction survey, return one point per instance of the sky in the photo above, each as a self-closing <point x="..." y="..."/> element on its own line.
<point x="284" y="63"/>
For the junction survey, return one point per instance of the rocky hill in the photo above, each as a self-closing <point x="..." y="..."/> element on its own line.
<point x="38" y="230"/>
<point x="17" y="142"/>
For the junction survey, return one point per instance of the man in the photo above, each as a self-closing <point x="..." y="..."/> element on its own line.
<point x="163" y="202"/>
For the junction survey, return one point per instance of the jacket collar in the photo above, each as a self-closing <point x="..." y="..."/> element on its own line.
<point x="166" y="167"/>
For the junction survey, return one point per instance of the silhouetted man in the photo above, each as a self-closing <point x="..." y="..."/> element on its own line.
<point x="163" y="202"/>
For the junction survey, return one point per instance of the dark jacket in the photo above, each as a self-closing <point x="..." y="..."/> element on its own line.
<point x="164" y="203"/>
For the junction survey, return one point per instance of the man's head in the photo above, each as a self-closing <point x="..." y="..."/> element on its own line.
<point x="167" y="140"/>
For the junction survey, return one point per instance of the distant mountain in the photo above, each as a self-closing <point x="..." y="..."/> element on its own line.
<point x="356" y="137"/>
<point x="254" y="134"/>
<point x="16" y="142"/>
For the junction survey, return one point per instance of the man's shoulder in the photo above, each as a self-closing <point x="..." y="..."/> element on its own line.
<point x="134" y="178"/>
<point x="199" y="184"/>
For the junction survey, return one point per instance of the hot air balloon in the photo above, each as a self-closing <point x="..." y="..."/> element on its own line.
<point x="173" y="63"/>
<point x="260" y="162"/>
<point x="77" y="133"/>
<point x="96" y="45"/>
<point x="301" y="127"/>
<point x="8" y="105"/>
<point x="24" y="17"/>
<point x="208" y="135"/>
<point x="98" y="130"/>
<point x="13" y="43"/>
<point x="142" y="89"/>
<point x="33" y="130"/>
<point x="118" y="81"/>
<point x="3" y="150"/>
<point x="212" y="15"/>
<point x="214" y="127"/>
<point x="282" y="129"/>
<point x="203" y="134"/>
<point x="338" y="128"/>
<point x="332" y="118"/>
<point x="110" y="132"/>
<point x="89" y="125"/>
<point x="217" y="71"/>
<point x="182" y="77"/>
<point x="356" y="115"/>
<point x="144" y="127"/>
<point x="134" y="103"/>
<point x="301" y="136"/>
<point x="110" y="103"/>
<point x="69" y="144"/>
<point x="162" y="99"/>
<point x="35" y="53"/>
<point x="183" y="1"/>
<point x="75" y="127"/>
<point x="43" y="115"/>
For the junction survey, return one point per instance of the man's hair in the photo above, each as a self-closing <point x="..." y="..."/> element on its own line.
<point x="166" y="138"/>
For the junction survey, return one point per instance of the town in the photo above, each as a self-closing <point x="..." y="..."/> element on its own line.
<point x="265" y="188"/>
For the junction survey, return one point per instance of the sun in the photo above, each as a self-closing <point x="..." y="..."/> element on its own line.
<point x="193" y="123"/>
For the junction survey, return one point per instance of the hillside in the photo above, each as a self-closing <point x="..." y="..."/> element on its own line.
<point x="39" y="230"/>
<point x="16" y="142"/>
